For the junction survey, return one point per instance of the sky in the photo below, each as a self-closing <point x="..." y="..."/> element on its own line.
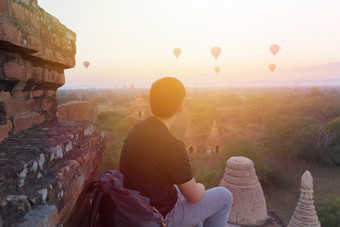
<point x="132" y="41"/>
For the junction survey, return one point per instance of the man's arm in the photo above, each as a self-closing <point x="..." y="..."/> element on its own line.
<point x="192" y="191"/>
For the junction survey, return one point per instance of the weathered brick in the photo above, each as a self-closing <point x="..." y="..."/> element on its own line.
<point x="4" y="129"/>
<point x="22" y="122"/>
<point x="33" y="42"/>
<point x="50" y="116"/>
<point x="47" y="104"/>
<point x="15" y="71"/>
<point x="71" y="61"/>
<point x="34" y="21"/>
<point x="70" y="35"/>
<point x="62" y="78"/>
<point x="46" y="75"/>
<point x="4" y="95"/>
<point x="18" y="94"/>
<point x="34" y="3"/>
<point x="55" y="76"/>
<point x="26" y="2"/>
<point x="37" y="93"/>
<point x="55" y="39"/>
<point x="46" y="21"/>
<point x="3" y="7"/>
<point x="19" y="12"/>
<point x="38" y="118"/>
<point x="10" y="34"/>
<point x="26" y="62"/>
<point x="66" y="43"/>
<point x="29" y="103"/>
<point x="16" y="106"/>
<point x="60" y="58"/>
<point x="50" y="92"/>
<point x="35" y="73"/>
<point x="49" y="54"/>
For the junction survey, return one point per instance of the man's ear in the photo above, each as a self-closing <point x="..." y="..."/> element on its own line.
<point x="180" y="108"/>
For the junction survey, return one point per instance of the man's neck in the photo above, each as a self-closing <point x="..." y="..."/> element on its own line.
<point x="167" y="121"/>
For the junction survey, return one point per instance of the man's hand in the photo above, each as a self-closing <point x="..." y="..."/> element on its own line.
<point x="192" y="191"/>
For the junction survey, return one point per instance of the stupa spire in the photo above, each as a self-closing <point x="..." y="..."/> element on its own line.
<point x="305" y="214"/>
<point x="214" y="131"/>
<point x="214" y="141"/>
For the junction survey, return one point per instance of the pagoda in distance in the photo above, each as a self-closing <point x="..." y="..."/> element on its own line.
<point x="140" y="108"/>
<point x="213" y="144"/>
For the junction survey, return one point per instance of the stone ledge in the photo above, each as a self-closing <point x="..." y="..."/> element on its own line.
<point x="42" y="147"/>
<point x="58" y="163"/>
<point x="45" y="215"/>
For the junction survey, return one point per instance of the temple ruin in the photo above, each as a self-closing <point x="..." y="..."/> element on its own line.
<point x="46" y="164"/>
<point x="214" y="143"/>
<point x="86" y="110"/>
<point x="140" y="108"/>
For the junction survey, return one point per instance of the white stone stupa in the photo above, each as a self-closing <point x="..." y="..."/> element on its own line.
<point x="249" y="205"/>
<point x="305" y="214"/>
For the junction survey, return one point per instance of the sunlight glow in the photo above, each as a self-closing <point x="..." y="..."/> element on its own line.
<point x="133" y="41"/>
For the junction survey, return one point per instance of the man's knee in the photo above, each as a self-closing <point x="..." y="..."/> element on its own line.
<point x="226" y="196"/>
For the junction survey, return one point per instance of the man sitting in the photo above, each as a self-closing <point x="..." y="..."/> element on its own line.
<point x="156" y="164"/>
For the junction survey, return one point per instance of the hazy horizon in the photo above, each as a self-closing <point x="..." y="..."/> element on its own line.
<point x="330" y="77"/>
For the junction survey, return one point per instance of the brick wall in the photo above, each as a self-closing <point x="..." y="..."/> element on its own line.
<point x="46" y="164"/>
<point x="35" y="50"/>
<point x="87" y="111"/>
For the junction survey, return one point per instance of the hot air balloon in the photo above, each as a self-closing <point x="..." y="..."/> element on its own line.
<point x="272" y="67"/>
<point x="177" y="52"/>
<point x="274" y="49"/>
<point x="86" y="64"/>
<point x="216" y="51"/>
<point x="217" y="69"/>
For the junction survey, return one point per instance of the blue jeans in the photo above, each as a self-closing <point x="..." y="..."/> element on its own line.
<point x="212" y="210"/>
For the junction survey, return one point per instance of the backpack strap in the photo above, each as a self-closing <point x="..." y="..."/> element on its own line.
<point x="163" y="222"/>
<point x="95" y="203"/>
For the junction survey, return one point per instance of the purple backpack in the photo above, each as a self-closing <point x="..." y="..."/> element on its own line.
<point x="119" y="206"/>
